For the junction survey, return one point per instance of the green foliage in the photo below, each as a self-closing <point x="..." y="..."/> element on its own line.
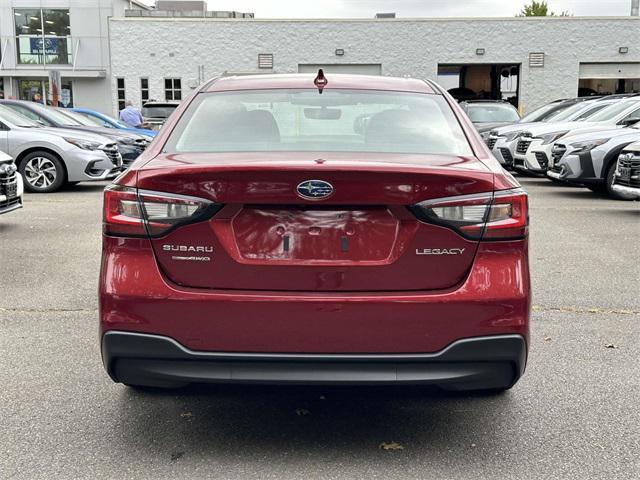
<point x="539" y="9"/>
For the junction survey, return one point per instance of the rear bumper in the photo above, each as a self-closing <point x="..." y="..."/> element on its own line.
<point x="492" y="362"/>
<point x="493" y="299"/>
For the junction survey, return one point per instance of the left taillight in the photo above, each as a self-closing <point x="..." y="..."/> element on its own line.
<point x="129" y="212"/>
<point x="502" y="215"/>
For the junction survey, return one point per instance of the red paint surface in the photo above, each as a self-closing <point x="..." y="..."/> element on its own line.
<point x="493" y="299"/>
<point x="377" y="297"/>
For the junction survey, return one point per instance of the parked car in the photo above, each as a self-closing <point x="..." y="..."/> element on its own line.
<point x="534" y="146"/>
<point x="542" y="113"/>
<point x="47" y="158"/>
<point x="589" y="159"/>
<point x="101" y="120"/>
<point x="293" y="249"/>
<point x="626" y="181"/>
<point x="130" y="145"/>
<point x="11" y="186"/>
<point x="155" y="114"/>
<point x="503" y="141"/>
<point x="489" y="114"/>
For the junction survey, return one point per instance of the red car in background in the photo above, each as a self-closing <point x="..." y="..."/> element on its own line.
<point x="342" y="230"/>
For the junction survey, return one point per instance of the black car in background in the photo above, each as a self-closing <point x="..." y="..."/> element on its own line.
<point x="489" y="114"/>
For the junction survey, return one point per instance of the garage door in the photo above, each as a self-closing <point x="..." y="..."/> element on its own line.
<point x="351" y="68"/>
<point x="610" y="70"/>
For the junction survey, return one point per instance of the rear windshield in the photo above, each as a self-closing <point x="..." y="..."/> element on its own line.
<point x="304" y="120"/>
<point x="492" y="113"/>
<point x="158" y="111"/>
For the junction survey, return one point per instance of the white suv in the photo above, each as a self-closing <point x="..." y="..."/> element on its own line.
<point x="503" y="141"/>
<point x="535" y="145"/>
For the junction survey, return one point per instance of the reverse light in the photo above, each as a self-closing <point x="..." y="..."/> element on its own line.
<point x="135" y="213"/>
<point x="499" y="216"/>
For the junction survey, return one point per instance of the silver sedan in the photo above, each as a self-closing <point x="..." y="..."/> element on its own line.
<point x="48" y="158"/>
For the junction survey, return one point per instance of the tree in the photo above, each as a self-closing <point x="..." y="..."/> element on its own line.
<point x="539" y="9"/>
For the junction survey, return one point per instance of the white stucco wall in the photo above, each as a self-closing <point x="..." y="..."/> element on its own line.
<point x="176" y="47"/>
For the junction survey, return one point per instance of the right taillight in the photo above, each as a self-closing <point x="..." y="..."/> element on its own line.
<point x="501" y="215"/>
<point x="509" y="216"/>
<point x="133" y="213"/>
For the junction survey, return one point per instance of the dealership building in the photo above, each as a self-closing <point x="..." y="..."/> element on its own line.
<point x="38" y="37"/>
<point x="117" y="49"/>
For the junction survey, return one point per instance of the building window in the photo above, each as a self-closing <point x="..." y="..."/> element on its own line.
<point x="172" y="89"/>
<point x="144" y="90"/>
<point x="43" y="36"/>
<point x="122" y="93"/>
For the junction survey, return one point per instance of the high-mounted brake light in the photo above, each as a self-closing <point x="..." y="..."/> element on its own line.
<point x="320" y="81"/>
<point x="132" y="213"/>
<point x="499" y="216"/>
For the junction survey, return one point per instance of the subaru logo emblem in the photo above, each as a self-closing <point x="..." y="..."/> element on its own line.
<point x="314" y="189"/>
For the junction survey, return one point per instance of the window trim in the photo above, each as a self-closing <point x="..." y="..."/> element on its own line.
<point x="119" y="90"/>
<point x="173" y="89"/>
<point x="144" y="90"/>
<point x="42" y="36"/>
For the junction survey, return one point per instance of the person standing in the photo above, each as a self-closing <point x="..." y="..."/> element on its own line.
<point x="131" y="116"/>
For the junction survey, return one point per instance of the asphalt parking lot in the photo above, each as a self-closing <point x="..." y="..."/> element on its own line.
<point x="574" y="414"/>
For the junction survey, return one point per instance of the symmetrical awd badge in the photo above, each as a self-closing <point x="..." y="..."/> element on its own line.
<point x="314" y="189"/>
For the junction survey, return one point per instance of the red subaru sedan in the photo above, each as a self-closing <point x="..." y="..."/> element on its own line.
<point x="343" y="230"/>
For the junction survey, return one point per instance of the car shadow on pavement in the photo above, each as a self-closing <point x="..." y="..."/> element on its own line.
<point x="86" y="187"/>
<point x="582" y="194"/>
<point x="7" y="226"/>
<point x="269" y="421"/>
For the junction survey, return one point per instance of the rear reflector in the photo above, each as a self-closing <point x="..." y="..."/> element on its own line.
<point x="499" y="216"/>
<point x="128" y="212"/>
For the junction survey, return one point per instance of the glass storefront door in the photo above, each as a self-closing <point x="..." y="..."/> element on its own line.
<point x="28" y="88"/>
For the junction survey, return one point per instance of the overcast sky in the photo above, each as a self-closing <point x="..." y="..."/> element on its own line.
<point x="410" y="8"/>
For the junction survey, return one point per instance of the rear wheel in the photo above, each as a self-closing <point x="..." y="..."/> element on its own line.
<point x="42" y="172"/>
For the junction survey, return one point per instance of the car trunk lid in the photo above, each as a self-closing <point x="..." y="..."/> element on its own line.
<point x="360" y="237"/>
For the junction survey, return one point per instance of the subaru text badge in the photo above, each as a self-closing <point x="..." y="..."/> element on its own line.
<point x="314" y="189"/>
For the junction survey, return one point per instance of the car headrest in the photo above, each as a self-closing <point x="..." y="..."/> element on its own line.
<point x="253" y="126"/>
<point x="396" y="126"/>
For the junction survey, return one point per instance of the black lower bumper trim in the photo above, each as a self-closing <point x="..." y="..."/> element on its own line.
<point x="494" y="362"/>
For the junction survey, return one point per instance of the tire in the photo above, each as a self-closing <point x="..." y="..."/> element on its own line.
<point x="608" y="187"/>
<point x="42" y="172"/>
